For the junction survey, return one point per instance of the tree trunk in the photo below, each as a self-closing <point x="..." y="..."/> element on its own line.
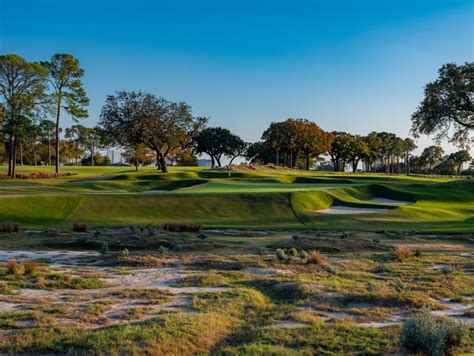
<point x="218" y="159"/>
<point x="57" y="132"/>
<point x="297" y="159"/>
<point x="307" y="161"/>
<point x="213" y="162"/>
<point x="49" y="152"/>
<point x="21" y="154"/>
<point x="77" y="155"/>
<point x="14" y="160"/>
<point x="34" y="154"/>
<point x="92" y="158"/>
<point x="11" y="162"/>
<point x="277" y="157"/>
<point x="164" y="166"/>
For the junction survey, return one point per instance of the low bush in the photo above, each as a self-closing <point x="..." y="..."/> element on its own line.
<point x="295" y="237"/>
<point x="162" y="251"/>
<point x="194" y="227"/>
<point x="303" y="254"/>
<point x="150" y="230"/>
<point x="293" y="252"/>
<point x="281" y="255"/>
<point x="432" y="335"/>
<point x="201" y="236"/>
<point x="78" y="226"/>
<point x="262" y="251"/>
<point x="401" y="253"/>
<point x="316" y="258"/>
<point x="9" y="226"/>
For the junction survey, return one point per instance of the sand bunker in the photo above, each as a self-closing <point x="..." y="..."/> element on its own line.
<point x="390" y="201"/>
<point x="349" y="210"/>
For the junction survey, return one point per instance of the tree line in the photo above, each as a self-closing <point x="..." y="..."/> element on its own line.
<point x="153" y="130"/>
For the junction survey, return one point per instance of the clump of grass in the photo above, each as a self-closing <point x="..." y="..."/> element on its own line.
<point x="14" y="268"/>
<point x="262" y="251"/>
<point x="295" y="238"/>
<point x="345" y="235"/>
<point x="401" y="253"/>
<point x="96" y="233"/>
<point x="447" y="270"/>
<point x="78" y="226"/>
<point x="417" y="253"/>
<point x="30" y="267"/>
<point x="430" y="335"/>
<point x="317" y="258"/>
<point x="9" y="227"/>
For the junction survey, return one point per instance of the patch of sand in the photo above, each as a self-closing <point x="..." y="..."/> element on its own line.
<point x="389" y="201"/>
<point x="349" y="210"/>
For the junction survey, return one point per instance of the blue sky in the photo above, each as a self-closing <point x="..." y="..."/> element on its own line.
<point x="356" y="66"/>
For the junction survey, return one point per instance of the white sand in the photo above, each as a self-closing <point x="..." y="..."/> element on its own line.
<point x="348" y="210"/>
<point x="390" y="201"/>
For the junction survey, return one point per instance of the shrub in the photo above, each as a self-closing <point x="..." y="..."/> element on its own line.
<point x="303" y="254"/>
<point x="182" y="227"/>
<point x="162" y="251"/>
<point x="448" y="270"/>
<point x="132" y="228"/>
<point x="317" y="258"/>
<point x="401" y="253"/>
<point x="399" y="286"/>
<point x="431" y="335"/>
<point x="262" y="251"/>
<point x="124" y="253"/>
<point x="96" y="233"/>
<point x="295" y="237"/>
<point x="201" y="236"/>
<point x="150" y="230"/>
<point x="78" y="226"/>
<point x="9" y="226"/>
<point x="13" y="268"/>
<point x="30" y="267"/>
<point x="417" y="253"/>
<point x="104" y="249"/>
<point x="281" y="255"/>
<point x="293" y="252"/>
<point x="332" y="271"/>
<point x="345" y="235"/>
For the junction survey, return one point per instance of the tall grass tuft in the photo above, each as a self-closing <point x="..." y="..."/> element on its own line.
<point x="14" y="268"/>
<point x="30" y="267"/>
<point x="317" y="258"/>
<point x="401" y="253"/>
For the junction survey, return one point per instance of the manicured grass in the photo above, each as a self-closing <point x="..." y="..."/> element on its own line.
<point x="111" y="196"/>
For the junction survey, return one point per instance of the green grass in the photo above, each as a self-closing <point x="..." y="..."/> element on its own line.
<point x="278" y="199"/>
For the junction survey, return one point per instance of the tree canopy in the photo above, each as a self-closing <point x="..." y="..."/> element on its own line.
<point x="447" y="109"/>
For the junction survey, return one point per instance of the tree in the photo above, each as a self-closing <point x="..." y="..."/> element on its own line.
<point x="409" y="147"/>
<point x="432" y="155"/>
<point x="47" y="129"/>
<point x="340" y="150"/>
<point x="459" y="158"/>
<point x="76" y="134"/>
<point x="358" y="149"/>
<point x="93" y="139"/>
<point x="138" y="155"/>
<point x="218" y="142"/>
<point x="448" y="105"/>
<point x="22" y="86"/>
<point x="68" y="93"/>
<point x="275" y="137"/>
<point x="374" y="150"/>
<point x="132" y="118"/>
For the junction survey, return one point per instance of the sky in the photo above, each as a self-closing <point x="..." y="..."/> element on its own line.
<point x="357" y="66"/>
